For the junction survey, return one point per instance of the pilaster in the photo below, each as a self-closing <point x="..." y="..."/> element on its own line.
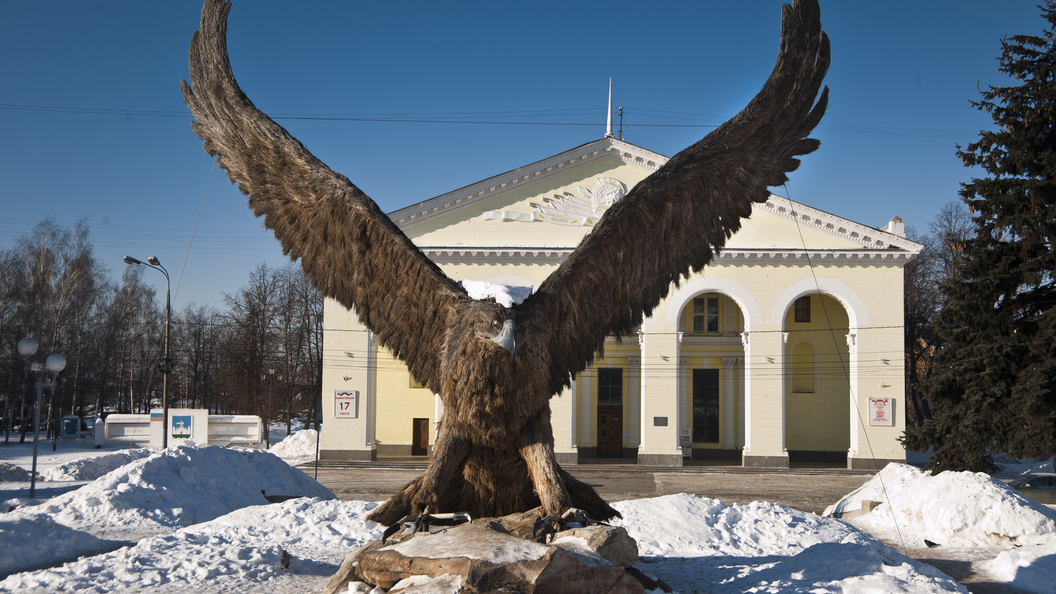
<point x="729" y="371"/>
<point x="353" y="345"/>
<point x="660" y="413"/>
<point x="764" y="399"/>
<point x="563" y="420"/>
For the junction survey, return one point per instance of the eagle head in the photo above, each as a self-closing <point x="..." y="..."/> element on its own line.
<point x="494" y="323"/>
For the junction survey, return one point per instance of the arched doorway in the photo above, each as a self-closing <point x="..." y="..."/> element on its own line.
<point x="711" y="390"/>
<point x="816" y="379"/>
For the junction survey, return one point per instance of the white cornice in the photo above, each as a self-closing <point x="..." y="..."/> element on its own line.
<point x="807" y="216"/>
<point x="606" y="148"/>
<point x="557" y="254"/>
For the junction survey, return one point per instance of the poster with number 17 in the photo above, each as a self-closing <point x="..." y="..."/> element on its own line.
<point x="346" y="404"/>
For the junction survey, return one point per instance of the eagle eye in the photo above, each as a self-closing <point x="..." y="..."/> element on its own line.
<point x="496" y="324"/>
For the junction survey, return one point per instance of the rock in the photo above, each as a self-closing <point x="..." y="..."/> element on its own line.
<point x="610" y="542"/>
<point x="485" y="560"/>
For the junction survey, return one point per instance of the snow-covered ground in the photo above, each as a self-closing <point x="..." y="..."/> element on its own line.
<point x="192" y="519"/>
<point x="969" y="517"/>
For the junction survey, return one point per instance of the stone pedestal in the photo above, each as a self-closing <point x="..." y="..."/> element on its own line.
<point x="500" y="554"/>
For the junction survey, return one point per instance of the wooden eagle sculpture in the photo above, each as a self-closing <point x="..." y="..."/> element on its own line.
<point x="496" y="368"/>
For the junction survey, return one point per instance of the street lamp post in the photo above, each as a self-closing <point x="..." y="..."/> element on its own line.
<point x="165" y="365"/>
<point x="271" y="391"/>
<point x="55" y="363"/>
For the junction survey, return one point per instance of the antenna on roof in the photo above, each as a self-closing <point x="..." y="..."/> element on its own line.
<point x="608" y="123"/>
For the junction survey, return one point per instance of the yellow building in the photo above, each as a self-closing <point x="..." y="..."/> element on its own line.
<point x="787" y="348"/>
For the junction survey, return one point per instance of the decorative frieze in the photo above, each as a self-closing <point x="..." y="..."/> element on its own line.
<point x="606" y="148"/>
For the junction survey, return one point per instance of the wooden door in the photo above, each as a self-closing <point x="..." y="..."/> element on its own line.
<point x="610" y="431"/>
<point x="420" y="437"/>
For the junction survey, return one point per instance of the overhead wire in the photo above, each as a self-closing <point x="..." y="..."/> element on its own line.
<point x="476" y="118"/>
<point x="851" y="386"/>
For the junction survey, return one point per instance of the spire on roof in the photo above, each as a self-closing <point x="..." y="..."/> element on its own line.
<point x="608" y="123"/>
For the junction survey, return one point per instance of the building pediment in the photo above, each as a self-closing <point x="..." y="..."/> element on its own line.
<point x="494" y="187"/>
<point x="540" y="212"/>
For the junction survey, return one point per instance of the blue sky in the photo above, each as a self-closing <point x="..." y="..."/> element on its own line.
<point x="93" y="125"/>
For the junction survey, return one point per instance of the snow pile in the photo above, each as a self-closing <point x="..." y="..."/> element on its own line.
<point x="505" y="295"/>
<point x="241" y="546"/>
<point x="180" y="486"/>
<point x="89" y="469"/>
<point x="709" y="547"/>
<point x="239" y="550"/>
<point x="1021" y="568"/>
<point x="961" y="509"/>
<point x="9" y="473"/>
<point x="27" y="542"/>
<point x="671" y="526"/>
<point x="298" y="445"/>
<point x="699" y="545"/>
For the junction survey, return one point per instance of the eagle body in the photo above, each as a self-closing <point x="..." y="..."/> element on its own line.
<point x="496" y="368"/>
<point x="493" y="431"/>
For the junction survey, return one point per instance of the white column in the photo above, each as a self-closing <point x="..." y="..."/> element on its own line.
<point x="641" y="393"/>
<point x="634" y="405"/>
<point x="740" y="403"/>
<point x="585" y="408"/>
<point x="729" y="327"/>
<point x="438" y="413"/>
<point x="574" y="441"/>
<point x="684" y="421"/>
<point x="371" y="386"/>
<point x="680" y="387"/>
<point x="747" y="383"/>
<point x="852" y="356"/>
<point x="729" y="368"/>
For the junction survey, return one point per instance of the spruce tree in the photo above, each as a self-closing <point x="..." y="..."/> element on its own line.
<point x="992" y="391"/>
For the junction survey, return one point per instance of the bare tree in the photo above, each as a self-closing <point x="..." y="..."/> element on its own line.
<point x="62" y="282"/>
<point x="198" y="332"/>
<point x="923" y="278"/>
<point x="53" y="289"/>
<point x="312" y="315"/>
<point x="11" y="384"/>
<point x="951" y="228"/>
<point x="252" y="313"/>
<point x="300" y="331"/>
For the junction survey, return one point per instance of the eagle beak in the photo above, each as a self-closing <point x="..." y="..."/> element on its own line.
<point x="507" y="339"/>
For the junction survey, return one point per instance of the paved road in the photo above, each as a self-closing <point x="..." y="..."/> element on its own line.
<point x="808" y="489"/>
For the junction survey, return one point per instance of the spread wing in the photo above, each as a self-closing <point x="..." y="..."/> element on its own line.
<point x="678" y="218"/>
<point x="348" y="247"/>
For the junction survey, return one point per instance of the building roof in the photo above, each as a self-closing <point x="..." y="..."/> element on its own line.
<point x="860" y="241"/>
